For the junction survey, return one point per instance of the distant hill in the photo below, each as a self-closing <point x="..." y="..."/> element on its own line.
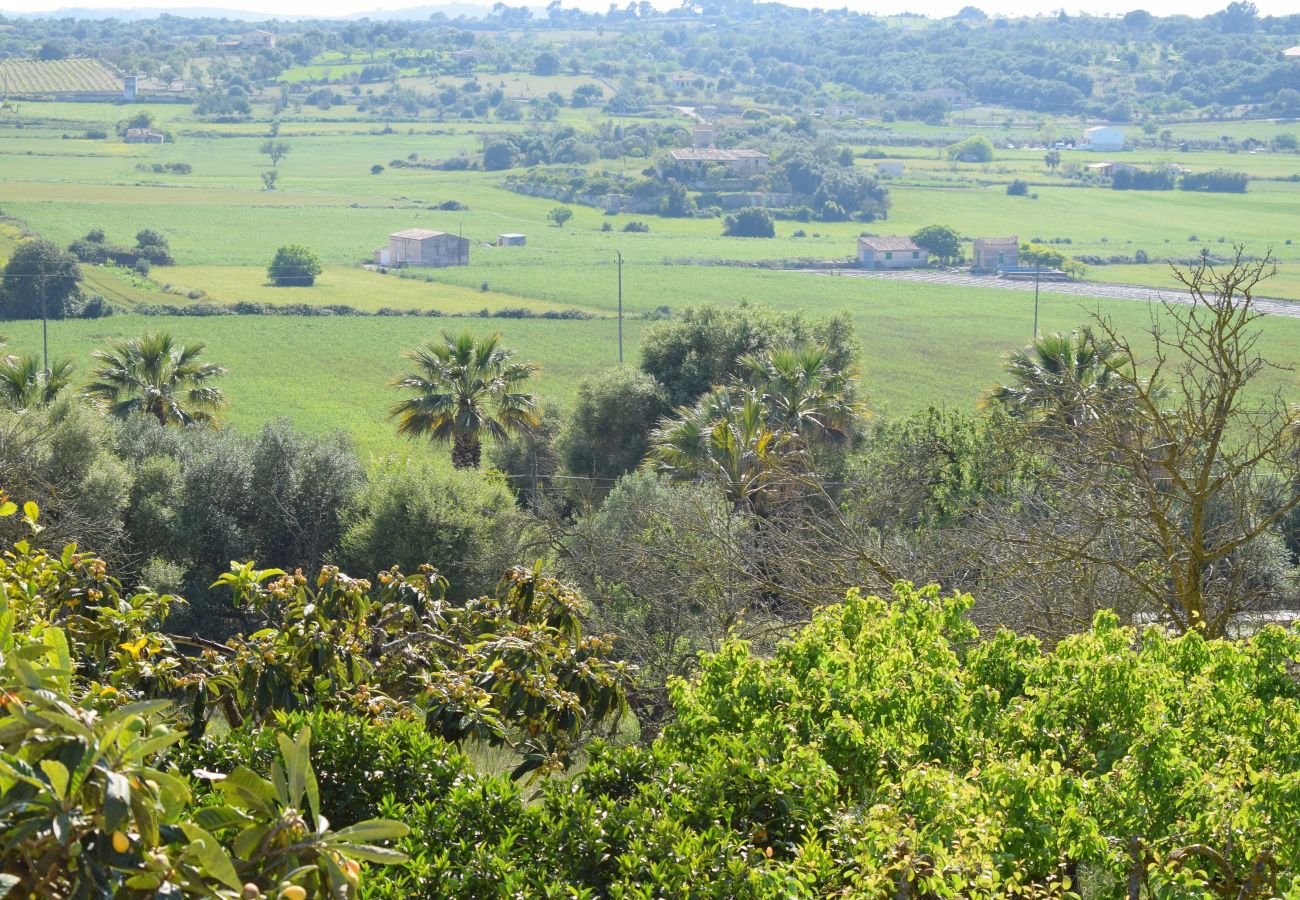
<point x="414" y="13"/>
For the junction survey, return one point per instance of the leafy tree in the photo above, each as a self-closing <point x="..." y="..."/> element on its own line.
<point x="52" y="50"/>
<point x="559" y="215"/>
<point x="546" y="63"/>
<point x="269" y="179"/>
<point x="39" y="280"/>
<point x="704" y="345"/>
<point x="153" y="375"/>
<point x="274" y="150"/>
<point x="749" y="221"/>
<point x="609" y="430"/>
<point x="942" y="242"/>
<point x="294" y="266"/>
<point x="677" y="201"/>
<point x="1018" y="188"/>
<point x="464" y="389"/>
<point x="499" y="155"/>
<point x="1052" y="159"/>
<point x="975" y="149"/>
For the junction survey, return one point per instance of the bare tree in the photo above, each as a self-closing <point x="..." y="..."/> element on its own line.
<point x="1177" y="483"/>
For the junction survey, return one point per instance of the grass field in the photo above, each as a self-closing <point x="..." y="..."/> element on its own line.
<point x="922" y="344"/>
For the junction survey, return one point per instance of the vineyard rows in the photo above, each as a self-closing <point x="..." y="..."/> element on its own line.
<point x="63" y="76"/>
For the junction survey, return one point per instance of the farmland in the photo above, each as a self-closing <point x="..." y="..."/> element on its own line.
<point x="60" y="76"/>
<point x="223" y="227"/>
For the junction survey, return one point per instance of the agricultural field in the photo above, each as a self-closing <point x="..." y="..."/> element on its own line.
<point x="61" y="76"/>
<point x="223" y="228"/>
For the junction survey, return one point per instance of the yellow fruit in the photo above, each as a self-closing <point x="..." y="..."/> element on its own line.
<point x="293" y="892"/>
<point x="121" y="843"/>
<point x="352" y="872"/>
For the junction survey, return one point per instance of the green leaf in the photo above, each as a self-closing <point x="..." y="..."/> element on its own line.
<point x="57" y="773"/>
<point x="246" y="788"/>
<point x="207" y="851"/>
<point x="117" y="800"/>
<point x="373" y="854"/>
<point x="8" y="508"/>
<point x="371" y="830"/>
<point x="215" y="818"/>
<point x="31" y="511"/>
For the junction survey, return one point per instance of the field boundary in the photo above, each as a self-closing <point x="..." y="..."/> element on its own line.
<point x="1100" y="290"/>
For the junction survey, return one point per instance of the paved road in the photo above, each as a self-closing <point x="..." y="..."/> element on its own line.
<point x="1099" y="289"/>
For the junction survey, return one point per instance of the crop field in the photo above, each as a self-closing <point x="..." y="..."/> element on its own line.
<point x="62" y="76"/>
<point x="923" y="344"/>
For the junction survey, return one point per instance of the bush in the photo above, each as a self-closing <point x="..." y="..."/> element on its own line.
<point x="376" y="169"/>
<point x="462" y="522"/>
<point x="609" y="429"/>
<point x="294" y="266"/>
<point x="1018" y="188"/>
<point x="749" y="221"/>
<point x="636" y="227"/>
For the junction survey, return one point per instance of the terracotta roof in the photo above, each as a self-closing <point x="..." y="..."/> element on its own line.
<point x="887" y="244"/>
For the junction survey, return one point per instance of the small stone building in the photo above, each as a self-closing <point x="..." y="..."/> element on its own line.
<point x="994" y="254"/>
<point x="258" y="39"/>
<point x="422" y="247"/>
<point x="511" y="240"/>
<point x="144" y="136"/>
<point x="890" y="253"/>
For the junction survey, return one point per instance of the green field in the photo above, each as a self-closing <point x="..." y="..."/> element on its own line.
<point x="56" y="76"/>
<point x="922" y="344"/>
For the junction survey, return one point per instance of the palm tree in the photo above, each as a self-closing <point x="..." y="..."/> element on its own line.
<point x="724" y="437"/>
<point x="803" y="396"/>
<point x="463" y="389"/>
<point x="1061" y="380"/>
<point x="23" y="384"/>
<point x="156" y="376"/>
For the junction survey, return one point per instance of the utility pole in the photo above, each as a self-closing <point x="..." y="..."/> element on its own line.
<point x="619" y="255"/>
<point x="45" y="326"/>
<point x="1037" y="266"/>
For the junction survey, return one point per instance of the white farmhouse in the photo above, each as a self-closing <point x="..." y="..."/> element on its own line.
<point x="1102" y="139"/>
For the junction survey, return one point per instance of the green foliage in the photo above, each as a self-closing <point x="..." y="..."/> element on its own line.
<point x="153" y="375"/>
<point x="749" y="221"/>
<point x="609" y="429"/>
<point x="409" y="514"/>
<point x="977" y="149"/>
<point x="560" y="215"/>
<point x="704" y="345"/>
<point x="39" y="280"/>
<point x="465" y="389"/>
<point x="942" y="242"/>
<point x="294" y="266"/>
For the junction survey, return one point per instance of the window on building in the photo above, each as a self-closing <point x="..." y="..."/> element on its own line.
<point x="916" y="254"/>
<point x="889" y="255"/>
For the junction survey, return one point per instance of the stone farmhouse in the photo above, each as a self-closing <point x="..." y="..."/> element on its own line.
<point x="737" y="162"/>
<point x="422" y="247"/>
<point x="258" y="39"/>
<point x="890" y="253"/>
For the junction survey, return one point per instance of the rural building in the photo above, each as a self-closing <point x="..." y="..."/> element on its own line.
<point x="1101" y="139"/>
<point x="1108" y="169"/>
<point x="890" y="253"/>
<point x="422" y="247"/>
<point x="1291" y="52"/>
<point x="995" y="254"/>
<point x="259" y="39"/>
<point x="702" y="138"/>
<point x="128" y="88"/>
<point x="947" y="95"/>
<point x="737" y="162"/>
<point x="895" y="169"/>
<point x="144" y="136"/>
<point x="680" y="81"/>
<point x="844" y="111"/>
<point x="511" y="240"/>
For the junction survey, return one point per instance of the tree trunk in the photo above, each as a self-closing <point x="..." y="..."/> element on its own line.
<point x="466" y="451"/>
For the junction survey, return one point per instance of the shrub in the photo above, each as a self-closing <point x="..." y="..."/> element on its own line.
<point x="463" y="523"/>
<point x="294" y="266"/>
<point x="1018" y="188"/>
<point x="636" y="227"/>
<point x="376" y="169"/>
<point x="749" y="221"/>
